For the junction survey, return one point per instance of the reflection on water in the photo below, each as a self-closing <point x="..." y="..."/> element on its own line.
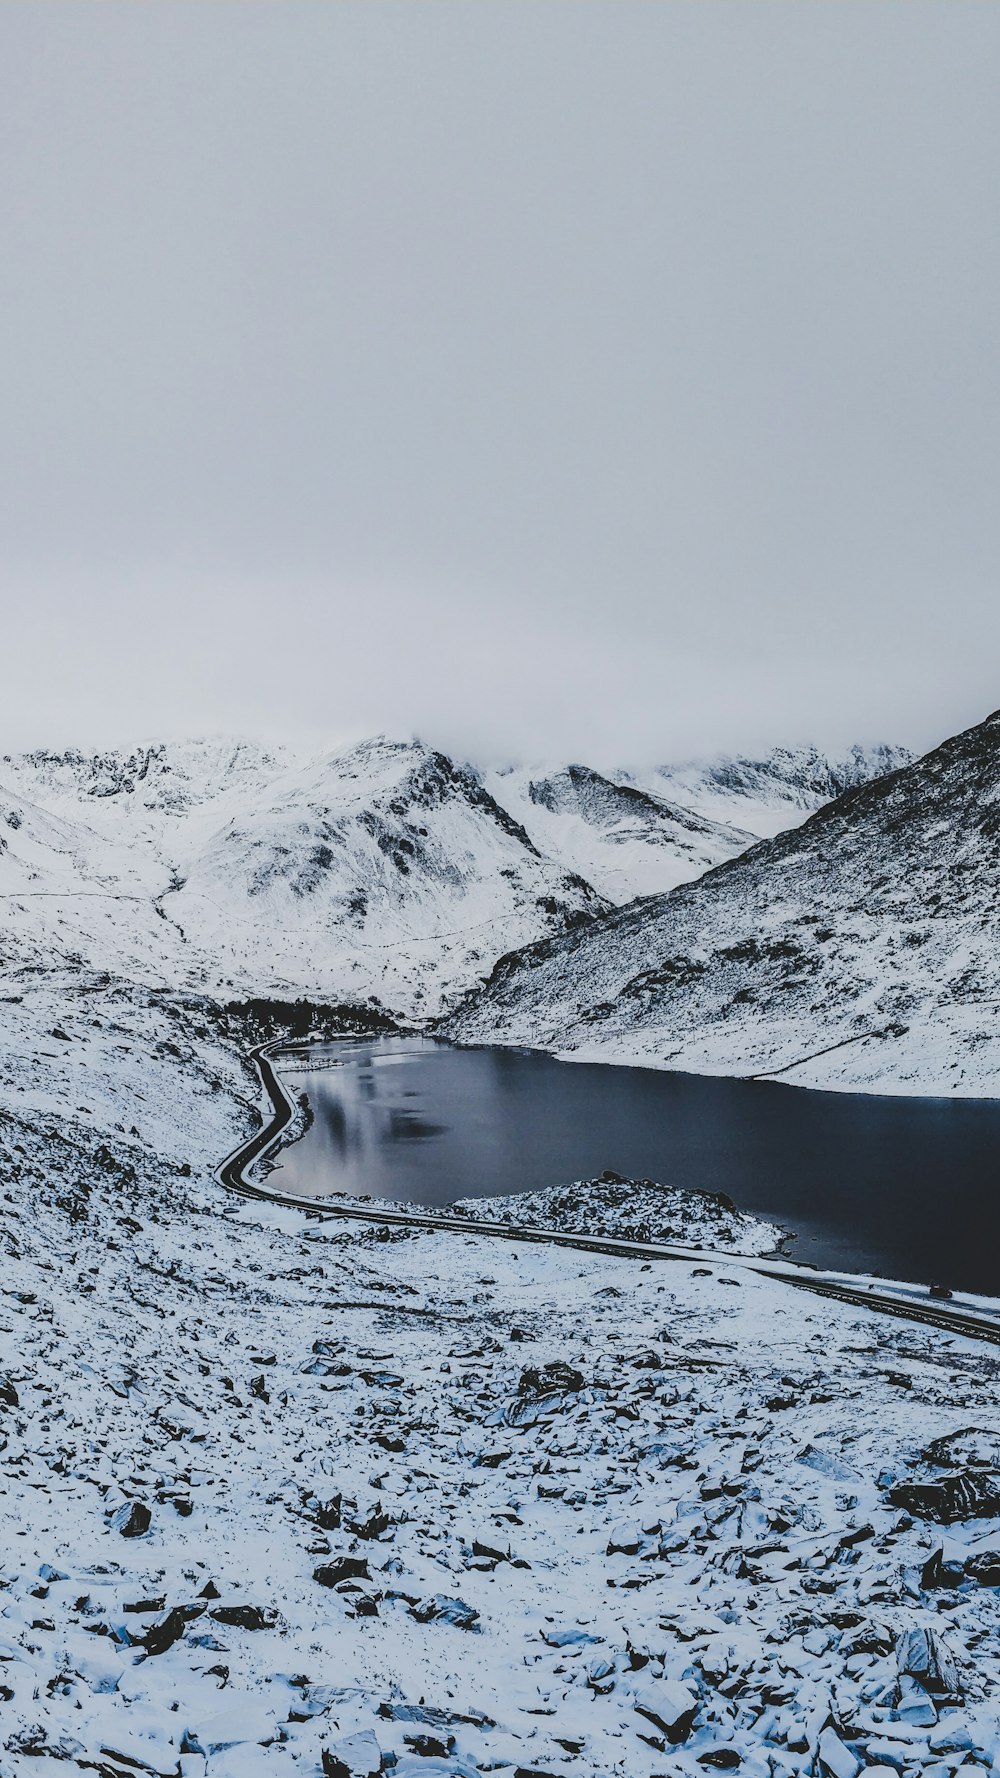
<point x="908" y="1187"/>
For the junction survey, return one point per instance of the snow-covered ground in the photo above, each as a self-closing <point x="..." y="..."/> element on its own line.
<point x="282" y="1495"/>
<point x="635" y="1210"/>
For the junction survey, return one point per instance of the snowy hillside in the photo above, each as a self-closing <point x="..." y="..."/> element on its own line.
<point x="862" y="949"/>
<point x="284" y="1495"/>
<point x="625" y="840"/>
<point x="161" y="778"/>
<point x="387" y="870"/>
<point x="68" y="894"/>
<point x="384" y="871"/>
<point x="774" y="792"/>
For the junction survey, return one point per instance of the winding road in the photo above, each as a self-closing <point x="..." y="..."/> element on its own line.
<point x="906" y="1302"/>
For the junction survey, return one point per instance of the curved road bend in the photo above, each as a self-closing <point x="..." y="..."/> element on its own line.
<point x="976" y="1324"/>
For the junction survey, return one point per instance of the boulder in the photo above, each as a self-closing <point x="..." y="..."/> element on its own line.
<point x="376" y="1525"/>
<point x="244" y="1617"/>
<point x="984" y="1568"/>
<point x="826" y="1463"/>
<point x="670" y="1706"/>
<point x="937" y="1573"/>
<point x="835" y="1759"/>
<point x="326" y="1514"/>
<point x="430" y="1746"/>
<point x="551" y="1379"/>
<point x="132" y="1519"/>
<point x="159" y="1637"/>
<point x="441" y="1609"/>
<point x="920" y="1656"/>
<point x="626" y="1540"/>
<point x="914" y="1705"/>
<point x="966" y="1494"/>
<point x="330" y="1574"/>
<point x="356" y="1756"/>
<point x="236" y="1724"/>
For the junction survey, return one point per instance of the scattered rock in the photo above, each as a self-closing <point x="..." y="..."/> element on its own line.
<point x="331" y="1574"/>
<point x="440" y="1609"/>
<point x="132" y="1519"/>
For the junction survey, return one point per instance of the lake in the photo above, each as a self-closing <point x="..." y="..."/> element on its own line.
<point x="906" y="1187"/>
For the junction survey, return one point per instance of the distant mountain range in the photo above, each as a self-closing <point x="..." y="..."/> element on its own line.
<point x="860" y="949"/>
<point x="387" y="871"/>
<point x="640" y="833"/>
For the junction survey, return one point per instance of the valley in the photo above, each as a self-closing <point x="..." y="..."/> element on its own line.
<point x="292" y="1492"/>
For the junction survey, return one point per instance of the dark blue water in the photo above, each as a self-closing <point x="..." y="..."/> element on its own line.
<point x="906" y="1187"/>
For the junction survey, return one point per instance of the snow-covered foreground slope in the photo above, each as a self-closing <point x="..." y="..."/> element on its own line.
<point x="860" y="950"/>
<point x="285" y="1497"/>
<point x="386" y="872"/>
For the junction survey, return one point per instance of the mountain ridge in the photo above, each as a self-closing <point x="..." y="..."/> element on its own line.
<point x="386" y="871"/>
<point x="832" y="954"/>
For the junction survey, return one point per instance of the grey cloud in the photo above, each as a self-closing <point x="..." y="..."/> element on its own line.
<point x="540" y="378"/>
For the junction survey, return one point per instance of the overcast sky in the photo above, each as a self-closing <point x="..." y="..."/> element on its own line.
<point x="606" y="380"/>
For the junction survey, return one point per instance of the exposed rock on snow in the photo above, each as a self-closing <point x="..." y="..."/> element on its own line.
<point x="966" y="1494"/>
<point x="634" y="1210"/>
<point x="859" y="950"/>
<point x="604" y="1560"/>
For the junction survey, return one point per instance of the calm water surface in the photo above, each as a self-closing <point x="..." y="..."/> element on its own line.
<point x="906" y="1187"/>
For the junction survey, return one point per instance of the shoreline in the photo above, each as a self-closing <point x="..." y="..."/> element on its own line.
<point x="977" y="1317"/>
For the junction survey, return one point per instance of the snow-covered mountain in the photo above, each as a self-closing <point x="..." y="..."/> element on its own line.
<point x="626" y="840"/>
<point x="386" y="870"/>
<point x="68" y="894"/>
<point x="776" y="791"/>
<point x="861" y="949"/>
<point x="169" y="778"/>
